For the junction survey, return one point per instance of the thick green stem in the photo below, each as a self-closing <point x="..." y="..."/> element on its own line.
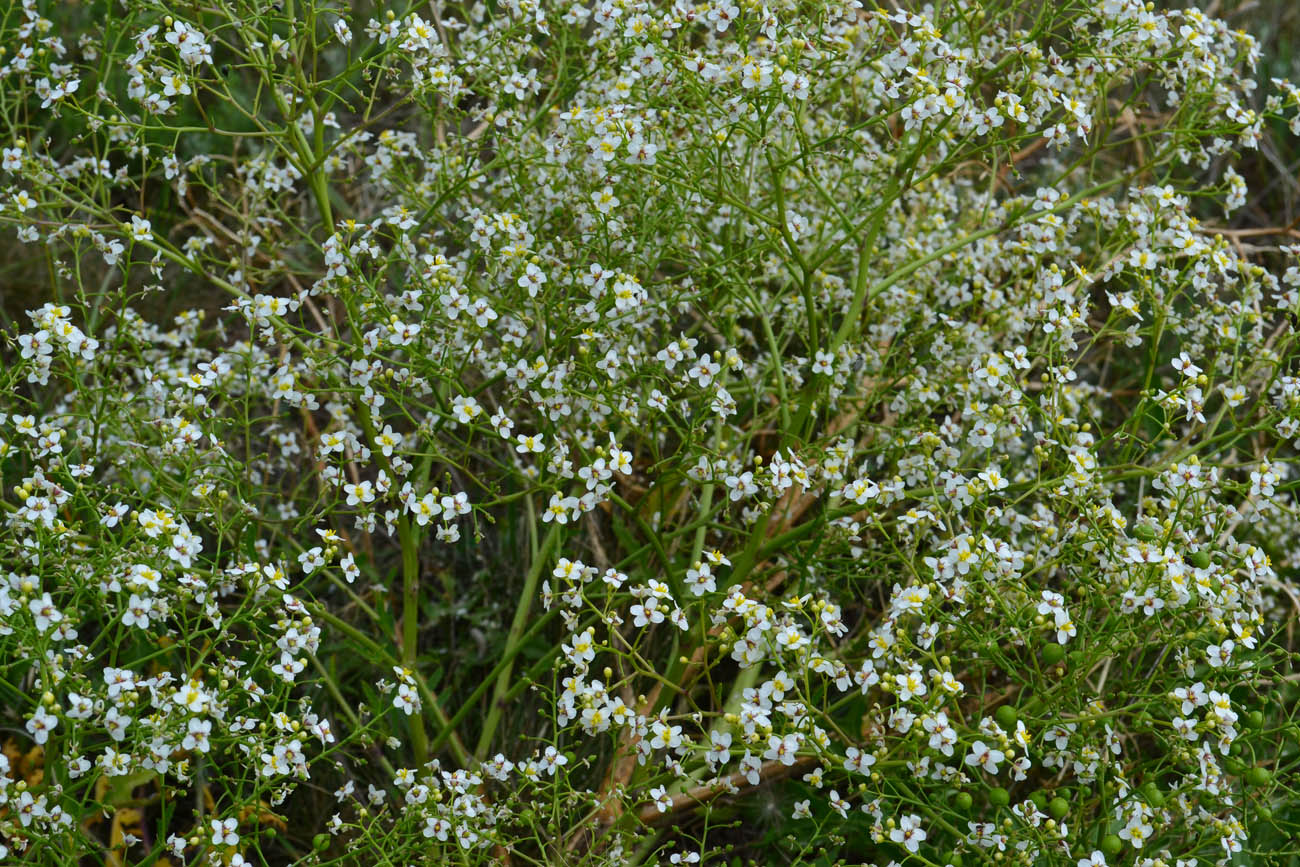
<point x="411" y="624"/>
<point x="514" y="640"/>
<point x="447" y="734"/>
<point x="486" y="683"/>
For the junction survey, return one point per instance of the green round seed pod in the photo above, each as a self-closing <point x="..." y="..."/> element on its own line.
<point x="1154" y="796"/>
<point x="1053" y="654"/>
<point x="1111" y="845"/>
<point x="999" y="797"/>
<point x="963" y="802"/>
<point x="1235" y="749"/>
<point x="1233" y="766"/>
<point x="956" y="859"/>
<point x="1145" y="532"/>
<point x="1258" y="776"/>
<point x="1058" y="808"/>
<point x="1199" y="559"/>
<point x="1265" y="812"/>
<point x="1254" y="719"/>
<point x="1006" y="717"/>
<point x="1039" y="799"/>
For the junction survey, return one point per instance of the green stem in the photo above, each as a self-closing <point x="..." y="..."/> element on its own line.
<point x="514" y="640"/>
<point x="411" y="624"/>
<point x="487" y="682"/>
<point x="448" y="734"/>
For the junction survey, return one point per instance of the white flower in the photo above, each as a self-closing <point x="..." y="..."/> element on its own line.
<point x="560" y="509"/>
<point x="1219" y="654"/>
<point x="909" y="832"/>
<point x="466" y="409"/>
<point x="552" y="760"/>
<point x="741" y="486"/>
<point x="1136" y="832"/>
<point x="41" y="723"/>
<point x="860" y="490"/>
<point x="223" y="832"/>
<point x="532" y="279"/>
<point x="141" y="229"/>
<point x="426" y="509"/>
<point x="699" y="578"/>
<point x="942" y="735"/>
<point x="359" y="493"/>
<point x="196" y="735"/>
<point x="44" y="612"/>
<point x="662" y="800"/>
<point x="783" y="749"/>
<point x="1183" y="364"/>
<point x="984" y="756"/>
<point x="388" y="440"/>
<point x="191" y="697"/>
<point x="719" y="748"/>
<point x="858" y="762"/>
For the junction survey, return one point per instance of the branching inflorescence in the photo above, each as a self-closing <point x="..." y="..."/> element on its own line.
<point x="612" y="433"/>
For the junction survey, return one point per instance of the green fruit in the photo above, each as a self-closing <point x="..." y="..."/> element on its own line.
<point x="956" y="860"/>
<point x="999" y="797"/>
<point x="963" y="801"/>
<point x="1053" y="653"/>
<point x="1254" y="719"/>
<point x="1058" y="808"/>
<point x="1233" y="766"/>
<point x="1199" y="559"/>
<point x="1154" y="796"/>
<point x="1111" y="845"/>
<point x="1258" y="776"/>
<point x="1145" y="532"/>
<point x="1039" y="799"/>
<point x="1235" y="749"/>
<point x="1006" y="717"/>
<point x="1265" y="812"/>
<point x="320" y="842"/>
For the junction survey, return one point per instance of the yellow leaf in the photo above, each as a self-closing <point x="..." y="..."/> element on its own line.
<point x="125" y="821"/>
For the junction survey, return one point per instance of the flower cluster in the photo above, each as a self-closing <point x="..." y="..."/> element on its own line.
<point x="539" y="423"/>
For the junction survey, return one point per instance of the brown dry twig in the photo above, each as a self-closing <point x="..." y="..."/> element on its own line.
<point x="770" y="772"/>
